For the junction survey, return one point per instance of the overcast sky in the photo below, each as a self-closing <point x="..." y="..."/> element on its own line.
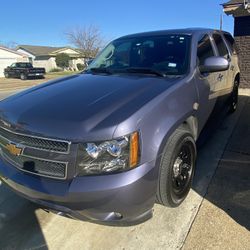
<point x="45" y="22"/>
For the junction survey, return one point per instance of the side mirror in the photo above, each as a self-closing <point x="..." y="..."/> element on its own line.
<point x="214" y="64"/>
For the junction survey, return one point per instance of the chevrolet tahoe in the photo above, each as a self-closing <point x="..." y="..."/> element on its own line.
<point x="106" y="144"/>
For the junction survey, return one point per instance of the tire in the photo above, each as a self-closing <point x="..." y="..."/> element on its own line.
<point x="176" y="169"/>
<point x="233" y="100"/>
<point x="23" y="76"/>
<point x="6" y="75"/>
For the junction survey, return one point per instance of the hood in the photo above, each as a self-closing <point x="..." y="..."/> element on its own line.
<point x="80" y="107"/>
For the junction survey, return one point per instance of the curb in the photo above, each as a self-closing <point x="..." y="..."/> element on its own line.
<point x="244" y="91"/>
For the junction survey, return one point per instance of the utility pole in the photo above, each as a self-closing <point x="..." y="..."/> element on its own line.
<point x="221" y="21"/>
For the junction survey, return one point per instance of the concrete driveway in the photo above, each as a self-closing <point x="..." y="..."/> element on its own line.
<point x="25" y="226"/>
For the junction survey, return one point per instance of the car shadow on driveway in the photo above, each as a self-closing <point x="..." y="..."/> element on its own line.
<point x="19" y="225"/>
<point x="229" y="189"/>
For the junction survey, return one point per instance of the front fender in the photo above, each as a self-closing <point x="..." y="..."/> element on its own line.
<point x="169" y="111"/>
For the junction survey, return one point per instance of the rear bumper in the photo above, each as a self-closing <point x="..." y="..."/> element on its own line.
<point x="119" y="199"/>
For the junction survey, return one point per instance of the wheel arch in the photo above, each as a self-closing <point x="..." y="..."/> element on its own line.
<point x="189" y="123"/>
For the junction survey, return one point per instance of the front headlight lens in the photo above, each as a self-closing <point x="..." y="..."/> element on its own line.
<point x="110" y="156"/>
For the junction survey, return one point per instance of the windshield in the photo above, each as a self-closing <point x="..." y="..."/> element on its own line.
<point x="168" y="54"/>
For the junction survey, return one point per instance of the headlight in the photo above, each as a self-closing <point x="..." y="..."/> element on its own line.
<point x="109" y="156"/>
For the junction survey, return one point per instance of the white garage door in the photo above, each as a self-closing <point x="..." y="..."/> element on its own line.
<point x="4" y="63"/>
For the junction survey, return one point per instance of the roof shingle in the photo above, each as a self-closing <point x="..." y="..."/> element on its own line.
<point x="232" y="2"/>
<point x="39" y="50"/>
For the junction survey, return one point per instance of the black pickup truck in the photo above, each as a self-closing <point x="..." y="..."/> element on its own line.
<point x="23" y="71"/>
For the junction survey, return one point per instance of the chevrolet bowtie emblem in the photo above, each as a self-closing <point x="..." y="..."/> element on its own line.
<point x="14" y="149"/>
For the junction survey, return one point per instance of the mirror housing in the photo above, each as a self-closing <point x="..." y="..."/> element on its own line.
<point x="214" y="64"/>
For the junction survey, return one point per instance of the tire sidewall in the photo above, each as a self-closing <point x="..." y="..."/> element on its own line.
<point x="179" y="198"/>
<point x="232" y="106"/>
<point x="169" y="156"/>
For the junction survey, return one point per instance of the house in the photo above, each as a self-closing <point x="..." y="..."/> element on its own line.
<point x="240" y="10"/>
<point x="45" y="56"/>
<point x="9" y="56"/>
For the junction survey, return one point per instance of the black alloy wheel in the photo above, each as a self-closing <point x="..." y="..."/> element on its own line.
<point x="176" y="169"/>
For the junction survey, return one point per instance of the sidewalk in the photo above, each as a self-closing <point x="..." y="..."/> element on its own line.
<point x="223" y="220"/>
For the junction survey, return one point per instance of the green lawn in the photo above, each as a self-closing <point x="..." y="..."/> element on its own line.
<point x="62" y="73"/>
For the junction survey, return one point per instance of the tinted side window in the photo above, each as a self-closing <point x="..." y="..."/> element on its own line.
<point x="222" y="49"/>
<point x="230" y="42"/>
<point x="205" y="49"/>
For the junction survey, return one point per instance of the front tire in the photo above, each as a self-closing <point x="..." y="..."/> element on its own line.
<point x="6" y="75"/>
<point x="176" y="169"/>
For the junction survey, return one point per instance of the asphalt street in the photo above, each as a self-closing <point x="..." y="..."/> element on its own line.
<point x="24" y="226"/>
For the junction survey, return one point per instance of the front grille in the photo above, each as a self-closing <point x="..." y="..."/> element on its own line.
<point x="37" y="166"/>
<point x="26" y="161"/>
<point x="36" y="142"/>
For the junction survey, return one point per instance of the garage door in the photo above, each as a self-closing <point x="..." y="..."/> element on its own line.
<point x="4" y="63"/>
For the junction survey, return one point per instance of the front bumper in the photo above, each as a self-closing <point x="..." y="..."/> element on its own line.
<point x="35" y="74"/>
<point x="118" y="199"/>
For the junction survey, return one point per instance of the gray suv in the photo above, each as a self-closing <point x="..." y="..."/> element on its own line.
<point x="105" y="144"/>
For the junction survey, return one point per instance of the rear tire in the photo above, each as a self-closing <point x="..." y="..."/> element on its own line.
<point x="176" y="169"/>
<point x="233" y="100"/>
<point x="23" y="76"/>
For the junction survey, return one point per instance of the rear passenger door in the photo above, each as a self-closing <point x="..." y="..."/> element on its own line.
<point x="233" y="60"/>
<point x="224" y="87"/>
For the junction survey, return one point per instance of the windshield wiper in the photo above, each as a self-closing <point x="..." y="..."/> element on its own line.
<point x="100" y="70"/>
<point x="145" y="71"/>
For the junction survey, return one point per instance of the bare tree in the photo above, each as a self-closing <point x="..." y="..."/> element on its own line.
<point x="87" y="38"/>
<point x="10" y="45"/>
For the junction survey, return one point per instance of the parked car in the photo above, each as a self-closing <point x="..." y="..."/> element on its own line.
<point x="23" y="71"/>
<point x="106" y="144"/>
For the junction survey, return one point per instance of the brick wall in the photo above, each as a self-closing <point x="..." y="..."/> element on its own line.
<point x="243" y="49"/>
<point x="242" y="38"/>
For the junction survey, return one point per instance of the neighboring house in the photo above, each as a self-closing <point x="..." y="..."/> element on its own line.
<point x="9" y="56"/>
<point x="240" y="10"/>
<point x="44" y="56"/>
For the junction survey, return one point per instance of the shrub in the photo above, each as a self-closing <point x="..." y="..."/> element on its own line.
<point x="62" y="60"/>
<point x="56" y="70"/>
<point x="80" y="66"/>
